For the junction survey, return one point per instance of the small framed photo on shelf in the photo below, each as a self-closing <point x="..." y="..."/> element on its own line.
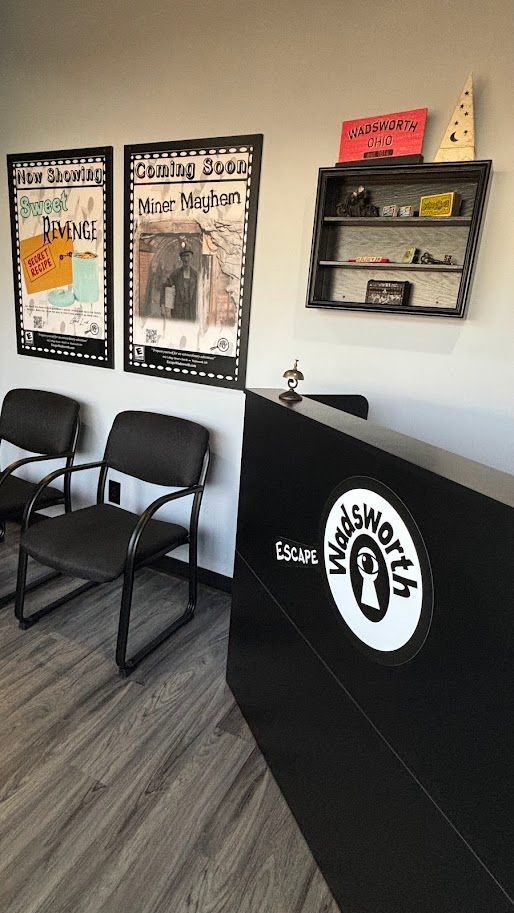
<point x="387" y="293"/>
<point x="440" y="205"/>
<point x="410" y="255"/>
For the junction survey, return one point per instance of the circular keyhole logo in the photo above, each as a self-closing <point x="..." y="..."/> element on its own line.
<point x="369" y="578"/>
<point x="377" y="570"/>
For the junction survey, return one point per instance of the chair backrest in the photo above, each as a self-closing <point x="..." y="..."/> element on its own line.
<point x="161" y="449"/>
<point x="353" y="403"/>
<point x="39" y="421"/>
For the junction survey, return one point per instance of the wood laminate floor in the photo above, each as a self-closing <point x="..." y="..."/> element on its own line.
<point x="145" y="795"/>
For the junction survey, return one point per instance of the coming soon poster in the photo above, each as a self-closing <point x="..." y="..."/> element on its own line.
<point x="190" y="217"/>
<point x="61" y="205"/>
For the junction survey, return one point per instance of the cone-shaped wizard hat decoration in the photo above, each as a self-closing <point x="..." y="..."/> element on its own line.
<point x="458" y="143"/>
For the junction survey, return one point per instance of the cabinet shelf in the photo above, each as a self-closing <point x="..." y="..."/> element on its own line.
<point x="396" y="287"/>
<point x="397" y="222"/>
<point x="430" y="267"/>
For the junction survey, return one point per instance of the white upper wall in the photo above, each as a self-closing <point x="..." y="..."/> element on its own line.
<point x="79" y="74"/>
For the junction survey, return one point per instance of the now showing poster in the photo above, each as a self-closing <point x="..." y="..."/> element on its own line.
<point x="190" y="217"/>
<point x="61" y="227"/>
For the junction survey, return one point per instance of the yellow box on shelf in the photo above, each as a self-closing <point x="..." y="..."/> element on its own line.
<point x="439" y="205"/>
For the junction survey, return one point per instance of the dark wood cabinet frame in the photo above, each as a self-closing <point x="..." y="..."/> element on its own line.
<point x="329" y="229"/>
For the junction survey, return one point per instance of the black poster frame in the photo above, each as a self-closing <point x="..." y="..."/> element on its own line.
<point x="63" y="157"/>
<point x="236" y="375"/>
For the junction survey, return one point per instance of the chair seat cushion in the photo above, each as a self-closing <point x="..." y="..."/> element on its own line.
<point x="15" y="492"/>
<point x="92" y="543"/>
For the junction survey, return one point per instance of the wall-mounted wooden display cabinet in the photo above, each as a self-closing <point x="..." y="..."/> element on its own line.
<point x="433" y="288"/>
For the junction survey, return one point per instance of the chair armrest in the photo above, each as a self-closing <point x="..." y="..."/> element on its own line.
<point x="29" y="507"/>
<point x="33" y="459"/>
<point x="148" y="513"/>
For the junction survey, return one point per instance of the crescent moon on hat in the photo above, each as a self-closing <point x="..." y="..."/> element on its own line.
<point x="453" y="138"/>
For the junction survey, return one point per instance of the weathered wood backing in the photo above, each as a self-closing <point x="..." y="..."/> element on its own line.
<point x="350" y="285"/>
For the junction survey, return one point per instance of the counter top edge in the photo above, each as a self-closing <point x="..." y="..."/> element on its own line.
<point x="485" y="480"/>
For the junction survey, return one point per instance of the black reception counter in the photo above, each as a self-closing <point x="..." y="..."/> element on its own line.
<point x="371" y="654"/>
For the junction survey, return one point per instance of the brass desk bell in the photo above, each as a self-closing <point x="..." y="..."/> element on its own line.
<point x="293" y="376"/>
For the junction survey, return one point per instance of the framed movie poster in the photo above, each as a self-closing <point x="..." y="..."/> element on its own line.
<point x="61" y="228"/>
<point x="190" y="217"/>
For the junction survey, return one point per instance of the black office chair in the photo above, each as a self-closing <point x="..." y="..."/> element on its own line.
<point x="42" y="423"/>
<point x="103" y="542"/>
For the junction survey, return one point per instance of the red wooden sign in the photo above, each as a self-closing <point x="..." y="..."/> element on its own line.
<point x="384" y="136"/>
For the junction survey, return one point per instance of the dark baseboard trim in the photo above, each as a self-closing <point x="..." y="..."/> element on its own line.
<point x="178" y="568"/>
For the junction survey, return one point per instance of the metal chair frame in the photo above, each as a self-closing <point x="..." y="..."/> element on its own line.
<point x="69" y="455"/>
<point x="132" y="563"/>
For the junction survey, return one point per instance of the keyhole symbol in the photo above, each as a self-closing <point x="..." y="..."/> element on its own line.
<point x="368" y="569"/>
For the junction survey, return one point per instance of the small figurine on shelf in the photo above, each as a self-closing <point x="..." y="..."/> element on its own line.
<point x="357" y="203"/>
<point x="428" y="258"/>
<point x="293" y="375"/>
